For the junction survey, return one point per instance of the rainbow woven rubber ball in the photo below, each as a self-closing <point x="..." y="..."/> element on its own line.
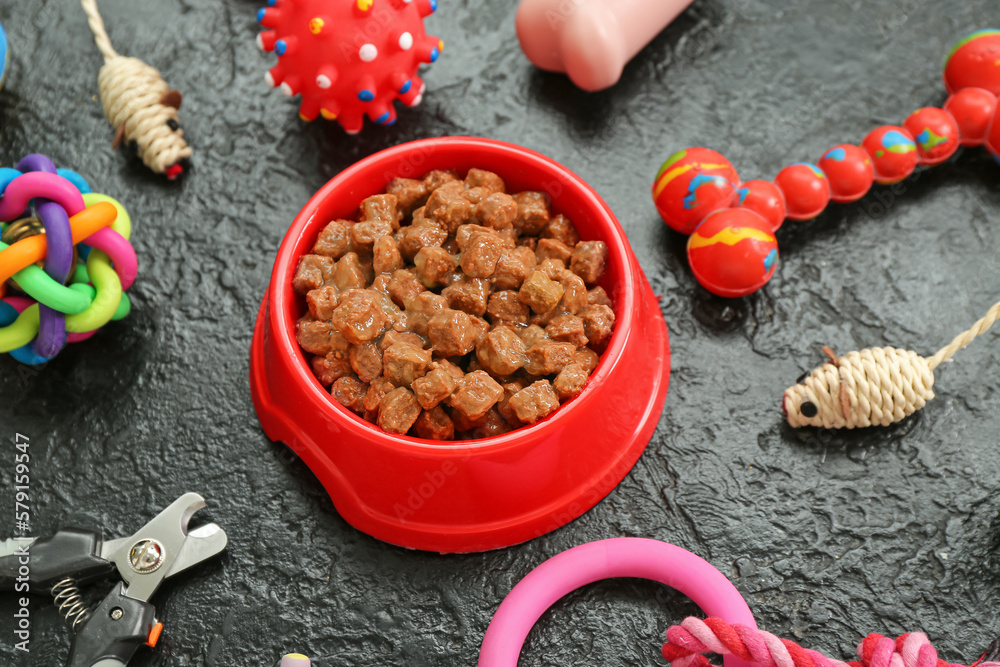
<point x="65" y="260"/>
<point x="349" y="58"/>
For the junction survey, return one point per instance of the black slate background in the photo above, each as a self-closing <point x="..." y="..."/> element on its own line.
<point x="828" y="535"/>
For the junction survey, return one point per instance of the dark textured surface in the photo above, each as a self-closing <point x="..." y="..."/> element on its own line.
<point x="828" y="535"/>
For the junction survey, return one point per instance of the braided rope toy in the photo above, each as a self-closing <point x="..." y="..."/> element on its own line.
<point x="686" y="643"/>
<point x="733" y="250"/>
<point x="139" y="105"/>
<point x="872" y="387"/>
<point x="45" y="215"/>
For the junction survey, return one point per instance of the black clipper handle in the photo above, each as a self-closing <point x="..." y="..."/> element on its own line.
<point x="69" y="553"/>
<point x="118" y="627"/>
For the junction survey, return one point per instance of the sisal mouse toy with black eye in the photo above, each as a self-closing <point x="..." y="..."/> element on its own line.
<point x="873" y="387"/>
<point x="139" y="105"/>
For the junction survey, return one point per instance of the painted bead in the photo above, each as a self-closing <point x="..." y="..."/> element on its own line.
<point x="972" y="109"/>
<point x="692" y="184"/>
<point x="850" y="172"/>
<point x="806" y="190"/>
<point x="733" y="253"/>
<point x="993" y="136"/>
<point x="893" y="152"/>
<point x="765" y="199"/>
<point x="935" y="132"/>
<point x="975" y="63"/>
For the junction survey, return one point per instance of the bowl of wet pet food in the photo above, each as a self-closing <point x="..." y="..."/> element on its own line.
<point x="459" y="342"/>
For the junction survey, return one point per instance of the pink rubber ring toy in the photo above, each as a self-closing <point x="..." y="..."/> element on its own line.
<point x="33" y="184"/>
<point x="607" y="559"/>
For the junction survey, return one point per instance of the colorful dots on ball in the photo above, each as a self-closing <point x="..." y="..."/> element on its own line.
<point x="765" y="199"/>
<point x="806" y="190"/>
<point x="850" y="172"/>
<point x="692" y="184"/>
<point x="893" y="151"/>
<point x="975" y="63"/>
<point x="972" y="109"/>
<point x="935" y="132"/>
<point x="733" y="253"/>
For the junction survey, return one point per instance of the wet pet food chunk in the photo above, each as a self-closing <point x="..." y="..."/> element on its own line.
<point x="403" y="363"/>
<point x="434" y="387"/>
<point x="589" y="260"/>
<point x="350" y="392"/>
<point x="452" y="333"/>
<point x="468" y="294"/>
<point x="360" y="317"/>
<point x="501" y="352"/>
<point x="540" y="293"/>
<point x="535" y="402"/>
<point x="476" y="393"/>
<point x="398" y="411"/>
<point x="435" y="424"/>
<point x="312" y="272"/>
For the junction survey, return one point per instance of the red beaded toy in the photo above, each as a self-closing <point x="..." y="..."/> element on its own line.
<point x="349" y="58"/>
<point x="732" y="251"/>
<point x="734" y="246"/>
<point x="693" y="184"/>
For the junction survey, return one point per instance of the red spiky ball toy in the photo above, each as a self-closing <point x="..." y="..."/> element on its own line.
<point x="349" y="58"/>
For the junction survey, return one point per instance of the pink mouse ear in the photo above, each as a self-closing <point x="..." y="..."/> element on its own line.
<point x="172" y="98"/>
<point x="119" y="137"/>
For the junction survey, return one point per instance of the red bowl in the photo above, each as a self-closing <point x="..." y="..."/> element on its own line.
<point x="479" y="494"/>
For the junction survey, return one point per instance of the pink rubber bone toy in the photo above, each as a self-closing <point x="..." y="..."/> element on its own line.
<point x="591" y="40"/>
